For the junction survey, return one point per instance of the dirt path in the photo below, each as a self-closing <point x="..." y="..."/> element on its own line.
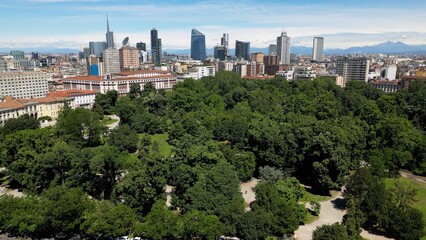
<point x="331" y="211"/>
<point x="372" y="236"/>
<point x="247" y="189"/>
<point x="413" y="177"/>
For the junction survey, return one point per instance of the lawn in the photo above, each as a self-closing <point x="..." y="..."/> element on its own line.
<point x="166" y="149"/>
<point x="108" y="121"/>
<point x="420" y="204"/>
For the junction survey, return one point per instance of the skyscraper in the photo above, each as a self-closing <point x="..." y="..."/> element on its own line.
<point x="141" y="46"/>
<point x="220" y="52"/>
<point x="198" y="45"/>
<point x="242" y="50"/>
<point x="111" y="59"/>
<point x="17" y="55"/>
<point x="224" y="41"/>
<point x="97" y="48"/>
<point x="155" y="47"/>
<point x="109" y="37"/>
<point x="318" y="49"/>
<point x="272" y="50"/>
<point x="283" y="48"/>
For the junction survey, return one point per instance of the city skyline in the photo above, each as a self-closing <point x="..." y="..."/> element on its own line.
<point x="73" y="24"/>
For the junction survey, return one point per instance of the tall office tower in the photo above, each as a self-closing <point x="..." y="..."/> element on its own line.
<point x="155" y="47"/>
<point x="272" y="50"/>
<point x="318" y="49"/>
<point x="242" y="50"/>
<point x="34" y="55"/>
<point x="23" y="84"/>
<point x="94" y="66"/>
<point x="224" y="41"/>
<point x="220" y="52"/>
<point x="17" y="55"/>
<point x="111" y="59"/>
<point x="109" y="37"/>
<point x="283" y="48"/>
<point x="355" y="69"/>
<point x="141" y="46"/>
<point x="129" y="58"/>
<point x="97" y="48"/>
<point x="198" y="45"/>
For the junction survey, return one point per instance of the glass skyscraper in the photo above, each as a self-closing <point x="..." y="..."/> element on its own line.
<point x="198" y="45"/>
<point x="155" y="47"/>
<point x="109" y="37"/>
<point x="242" y="50"/>
<point x="97" y="48"/>
<point x="318" y="49"/>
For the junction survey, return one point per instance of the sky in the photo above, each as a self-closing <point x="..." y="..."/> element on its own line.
<point x="343" y="23"/>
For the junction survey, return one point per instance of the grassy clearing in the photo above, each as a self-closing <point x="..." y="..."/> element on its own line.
<point x="310" y="197"/>
<point x="310" y="218"/>
<point x="108" y="121"/>
<point x="420" y="204"/>
<point x="166" y="149"/>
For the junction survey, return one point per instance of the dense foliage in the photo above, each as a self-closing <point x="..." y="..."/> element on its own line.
<point x="223" y="130"/>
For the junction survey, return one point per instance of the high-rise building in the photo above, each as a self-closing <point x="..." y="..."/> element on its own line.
<point x="242" y="50"/>
<point x="23" y="84"/>
<point x="129" y="58"/>
<point x="198" y="45"/>
<point x="34" y="55"/>
<point x="283" y="48"/>
<point x="94" y="66"/>
<point x="111" y="59"/>
<point x="155" y="47"/>
<point x="97" y="48"/>
<point x="318" y="49"/>
<point x="141" y="46"/>
<point x="17" y="55"/>
<point x="220" y="52"/>
<point x="109" y="37"/>
<point x="353" y="69"/>
<point x="272" y="50"/>
<point x="224" y="41"/>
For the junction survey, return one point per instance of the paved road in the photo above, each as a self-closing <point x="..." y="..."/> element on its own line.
<point x="332" y="211"/>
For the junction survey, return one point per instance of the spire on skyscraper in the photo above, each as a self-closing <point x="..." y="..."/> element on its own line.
<point x="107" y="24"/>
<point x="109" y="35"/>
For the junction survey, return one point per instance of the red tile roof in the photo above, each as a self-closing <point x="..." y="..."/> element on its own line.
<point x="71" y="93"/>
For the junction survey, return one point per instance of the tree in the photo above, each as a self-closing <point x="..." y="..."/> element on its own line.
<point x="80" y="127"/>
<point x="330" y="232"/>
<point x="161" y="223"/>
<point x="257" y="224"/>
<point x="109" y="220"/>
<point x="124" y="138"/>
<point x="270" y="173"/>
<point x="21" y="123"/>
<point x="198" y="225"/>
<point x="135" y="90"/>
<point x="105" y="103"/>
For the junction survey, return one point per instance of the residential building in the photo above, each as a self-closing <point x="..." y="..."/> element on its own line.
<point x="121" y="81"/>
<point x="197" y="73"/>
<point x="129" y="58"/>
<point x="257" y="57"/>
<point x="156" y="48"/>
<point x="198" y="45"/>
<point x="109" y="37"/>
<point x="23" y="84"/>
<point x="283" y="48"/>
<point x="353" y="69"/>
<point x="111" y="59"/>
<point x="97" y="48"/>
<point x="406" y="80"/>
<point x="242" y="50"/>
<point x="318" y="49"/>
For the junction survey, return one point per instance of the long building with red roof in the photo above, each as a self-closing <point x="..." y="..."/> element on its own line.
<point x="122" y="81"/>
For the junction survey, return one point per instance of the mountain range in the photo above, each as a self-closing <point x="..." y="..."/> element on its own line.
<point x="388" y="47"/>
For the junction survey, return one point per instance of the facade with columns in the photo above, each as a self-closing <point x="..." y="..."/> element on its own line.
<point x="122" y="81"/>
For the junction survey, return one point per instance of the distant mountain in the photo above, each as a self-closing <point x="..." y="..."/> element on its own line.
<point x="388" y="47"/>
<point x="45" y="50"/>
<point x="384" y="48"/>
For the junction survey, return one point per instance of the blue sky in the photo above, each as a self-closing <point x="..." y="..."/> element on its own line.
<point x="73" y="23"/>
